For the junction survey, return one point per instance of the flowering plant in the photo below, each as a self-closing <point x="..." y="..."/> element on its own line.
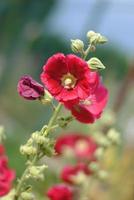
<point x="76" y="84"/>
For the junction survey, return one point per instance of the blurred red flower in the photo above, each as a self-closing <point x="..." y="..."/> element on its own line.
<point x="29" y="89"/>
<point x="2" y="149"/>
<point x="6" y="176"/>
<point x="69" y="172"/>
<point x="81" y="146"/>
<point x="67" y="77"/>
<point x="60" y="192"/>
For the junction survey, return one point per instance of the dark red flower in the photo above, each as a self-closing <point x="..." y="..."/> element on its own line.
<point x="67" y="77"/>
<point x="60" y="192"/>
<point x="29" y="88"/>
<point x="81" y="146"/>
<point x="89" y="110"/>
<point x="69" y="172"/>
<point x="6" y="176"/>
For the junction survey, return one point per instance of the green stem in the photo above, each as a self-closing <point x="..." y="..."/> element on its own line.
<point x="87" y="51"/>
<point x="35" y="158"/>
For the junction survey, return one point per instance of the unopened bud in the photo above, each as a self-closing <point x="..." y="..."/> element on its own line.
<point x="37" y="171"/>
<point x="114" y="136"/>
<point x="27" y="196"/>
<point x="96" y="38"/>
<point x="77" y="46"/>
<point x="94" y="63"/>
<point x="28" y="150"/>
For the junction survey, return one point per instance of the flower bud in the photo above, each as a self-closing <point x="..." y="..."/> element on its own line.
<point x="29" y="89"/>
<point x="94" y="63"/>
<point x="103" y="141"/>
<point x="99" y="153"/>
<point x="37" y="171"/>
<point x="27" y="196"/>
<point x="96" y="38"/>
<point x="113" y="136"/>
<point x="77" y="46"/>
<point x="28" y="150"/>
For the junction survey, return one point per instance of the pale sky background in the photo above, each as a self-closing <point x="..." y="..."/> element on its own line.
<point x="113" y="18"/>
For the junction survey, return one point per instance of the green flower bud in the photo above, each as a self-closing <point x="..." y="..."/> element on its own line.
<point x="35" y="135"/>
<point x="37" y="171"/>
<point x="39" y="139"/>
<point x="94" y="63"/>
<point x="114" y="136"/>
<point x="27" y="196"/>
<point x="96" y="38"/>
<point x="77" y="46"/>
<point x="28" y="150"/>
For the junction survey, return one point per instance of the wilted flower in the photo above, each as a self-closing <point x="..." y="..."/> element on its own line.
<point x="29" y="89"/>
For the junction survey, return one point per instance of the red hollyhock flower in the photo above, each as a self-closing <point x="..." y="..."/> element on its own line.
<point x="67" y="77"/>
<point x="89" y="110"/>
<point x="60" y="192"/>
<point x="6" y="176"/>
<point x="29" y="88"/>
<point x="69" y="172"/>
<point x="81" y="146"/>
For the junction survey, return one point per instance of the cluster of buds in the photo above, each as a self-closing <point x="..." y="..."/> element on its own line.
<point x="38" y="143"/>
<point x="96" y="38"/>
<point x="36" y="172"/>
<point x="27" y="195"/>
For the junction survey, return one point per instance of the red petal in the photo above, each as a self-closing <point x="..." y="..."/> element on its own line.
<point x="76" y="66"/>
<point x="56" y="66"/>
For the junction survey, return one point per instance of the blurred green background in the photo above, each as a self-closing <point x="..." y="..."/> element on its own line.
<point x="33" y="30"/>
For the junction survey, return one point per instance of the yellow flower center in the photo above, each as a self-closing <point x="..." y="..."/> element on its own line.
<point x="81" y="145"/>
<point x="68" y="81"/>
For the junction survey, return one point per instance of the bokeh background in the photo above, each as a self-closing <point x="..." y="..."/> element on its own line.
<point x="33" y="30"/>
